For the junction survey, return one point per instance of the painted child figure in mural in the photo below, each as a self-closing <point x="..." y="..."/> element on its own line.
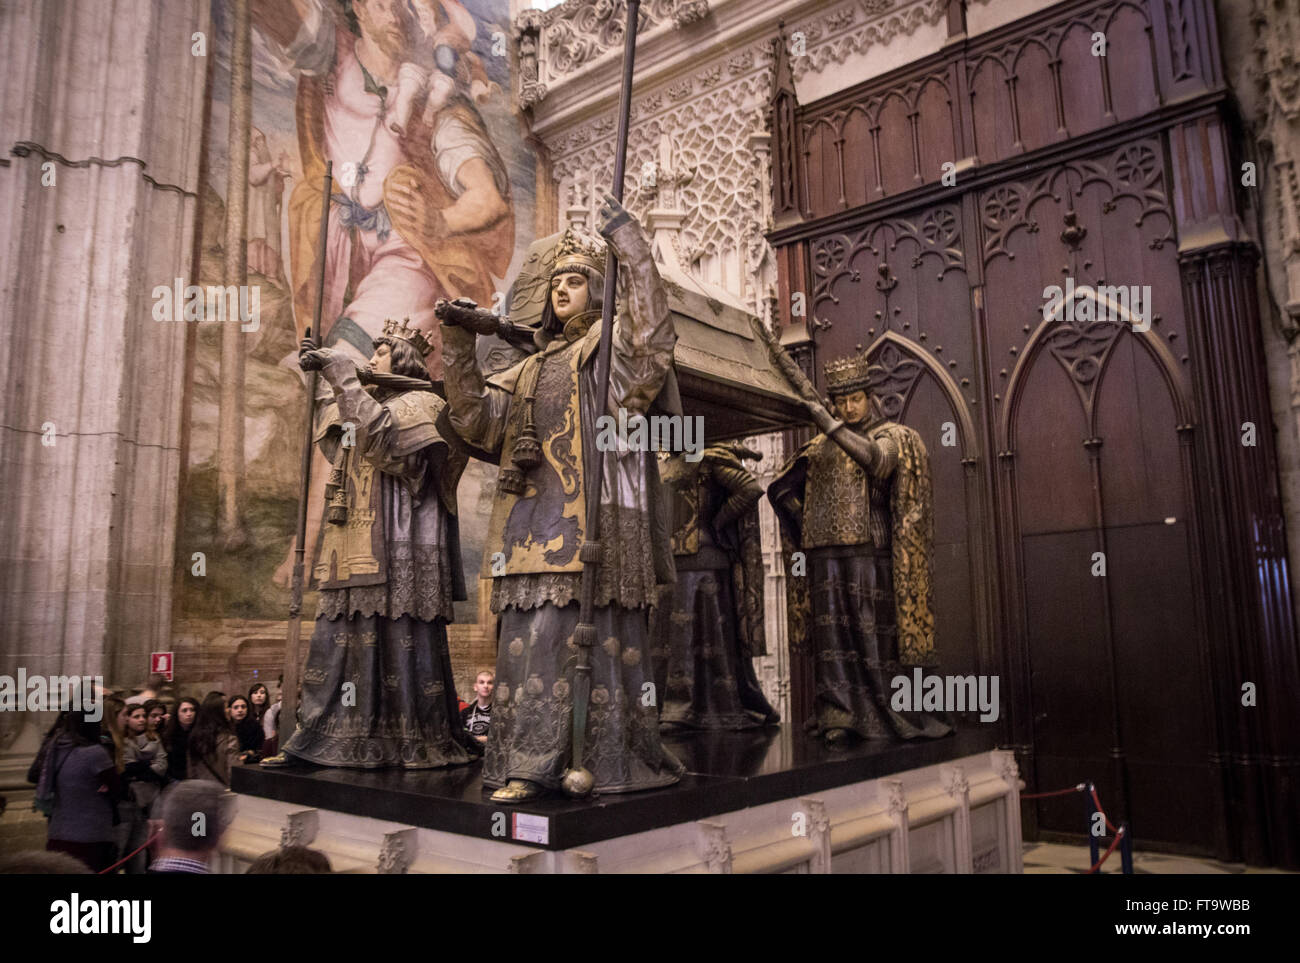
<point x="855" y="503"/>
<point x="421" y="206"/>
<point x="377" y="688"/>
<point x="540" y="417"/>
<point x="709" y="628"/>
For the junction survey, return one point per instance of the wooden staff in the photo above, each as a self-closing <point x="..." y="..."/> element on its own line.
<point x="289" y="698"/>
<point x="578" y="781"/>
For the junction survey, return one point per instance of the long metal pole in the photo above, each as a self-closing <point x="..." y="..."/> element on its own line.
<point x="578" y="781"/>
<point x="292" y="658"/>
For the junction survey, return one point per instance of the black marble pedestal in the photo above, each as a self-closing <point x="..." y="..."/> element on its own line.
<point x="726" y="771"/>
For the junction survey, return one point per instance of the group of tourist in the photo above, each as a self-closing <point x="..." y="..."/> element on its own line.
<point x="101" y="781"/>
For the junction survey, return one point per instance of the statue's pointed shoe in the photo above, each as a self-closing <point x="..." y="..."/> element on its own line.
<point x="517" y="791"/>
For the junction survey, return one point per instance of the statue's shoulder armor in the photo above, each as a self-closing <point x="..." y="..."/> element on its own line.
<point x="416" y="415"/>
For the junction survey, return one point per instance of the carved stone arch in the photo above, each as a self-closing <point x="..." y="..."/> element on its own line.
<point x="896" y="365"/>
<point x="1084" y="353"/>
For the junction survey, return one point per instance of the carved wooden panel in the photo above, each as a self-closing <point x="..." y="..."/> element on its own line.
<point x="879" y="145"/>
<point x="1104" y="434"/>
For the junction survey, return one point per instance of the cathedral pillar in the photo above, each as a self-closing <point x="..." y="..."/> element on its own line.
<point x="103" y="114"/>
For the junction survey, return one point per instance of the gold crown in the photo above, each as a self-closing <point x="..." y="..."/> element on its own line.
<point x="406" y="333"/>
<point x="575" y="249"/>
<point x="847" y="375"/>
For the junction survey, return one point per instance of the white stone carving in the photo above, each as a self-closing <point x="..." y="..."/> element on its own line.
<point x="832" y="37"/>
<point x="715" y="121"/>
<point x="300" y="828"/>
<point x="397" y="852"/>
<point x="715" y="851"/>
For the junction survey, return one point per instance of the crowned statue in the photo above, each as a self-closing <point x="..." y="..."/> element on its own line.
<point x="377" y="687"/>
<point x="539" y="418"/>
<point x="710" y="627"/>
<point x="856" y="503"/>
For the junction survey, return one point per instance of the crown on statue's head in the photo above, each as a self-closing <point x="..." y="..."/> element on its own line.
<point x="847" y="375"/>
<point x="577" y="251"/>
<point x="406" y="333"/>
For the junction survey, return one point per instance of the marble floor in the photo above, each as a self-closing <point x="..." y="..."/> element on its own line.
<point x="1046" y="858"/>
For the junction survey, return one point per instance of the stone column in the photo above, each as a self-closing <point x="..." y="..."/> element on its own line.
<point x="102" y="109"/>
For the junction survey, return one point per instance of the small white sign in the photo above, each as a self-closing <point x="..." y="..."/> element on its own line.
<point x="529" y="828"/>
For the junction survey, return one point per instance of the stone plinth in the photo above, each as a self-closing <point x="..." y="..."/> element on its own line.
<point x="759" y="802"/>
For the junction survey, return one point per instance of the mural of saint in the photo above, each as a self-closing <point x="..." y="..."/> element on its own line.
<point x="421" y="206"/>
<point x="266" y="179"/>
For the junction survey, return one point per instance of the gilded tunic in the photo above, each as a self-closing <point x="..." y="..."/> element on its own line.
<point x="531" y="553"/>
<point x="862" y="608"/>
<point x="377" y="686"/>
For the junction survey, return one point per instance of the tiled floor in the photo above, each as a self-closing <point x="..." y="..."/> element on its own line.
<point x="1045" y="858"/>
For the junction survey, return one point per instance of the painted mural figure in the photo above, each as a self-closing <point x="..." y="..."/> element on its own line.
<point x="856" y="503"/>
<point x="266" y="179"/>
<point x="540" y="418"/>
<point x="377" y="687"/>
<point x="711" y="627"/>
<point x="421" y="203"/>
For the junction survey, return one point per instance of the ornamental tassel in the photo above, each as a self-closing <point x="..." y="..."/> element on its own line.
<point x="526" y="453"/>
<point x="336" y="495"/>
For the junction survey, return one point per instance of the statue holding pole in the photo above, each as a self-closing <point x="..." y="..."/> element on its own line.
<point x="577" y="549"/>
<point x="377" y="690"/>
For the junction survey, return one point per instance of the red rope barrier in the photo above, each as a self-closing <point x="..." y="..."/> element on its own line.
<point x="1119" y="834"/>
<point x="147" y="843"/>
<point x="1059" y="792"/>
<point x="1097" y="802"/>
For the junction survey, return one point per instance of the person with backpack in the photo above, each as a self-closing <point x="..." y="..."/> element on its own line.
<point x="77" y="790"/>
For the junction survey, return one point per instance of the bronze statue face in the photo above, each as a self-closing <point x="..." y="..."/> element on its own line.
<point x="569" y="295"/>
<point x="381" y="362"/>
<point x="852" y="408"/>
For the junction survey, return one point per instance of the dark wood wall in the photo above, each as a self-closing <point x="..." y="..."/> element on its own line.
<point x="1073" y="440"/>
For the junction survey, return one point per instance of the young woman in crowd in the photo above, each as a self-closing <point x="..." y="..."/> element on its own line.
<point x="259" y="700"/>
<point x="145" y="770"/>
<point x="78" y="772"/>
<point x="156" y="713"/>
<point x="214" y="747"/>
<point x="247" y="729"/>
<point x="176" y="737"/>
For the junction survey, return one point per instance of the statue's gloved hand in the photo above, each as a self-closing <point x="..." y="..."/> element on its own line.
<point x="610" y="218"/>
<point x="466" y="314"/>
<point x="311" y="357"/>
<point x="823" y="418"/>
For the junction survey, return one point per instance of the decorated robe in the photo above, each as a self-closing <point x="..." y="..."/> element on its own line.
<point x="531" y="553"/>
<point x="377" y="688"/>
<point x="710" y="628"/>
<point x="862" y="609"/>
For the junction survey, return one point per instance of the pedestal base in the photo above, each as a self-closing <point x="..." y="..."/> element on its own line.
<point x="752" y="802"/>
